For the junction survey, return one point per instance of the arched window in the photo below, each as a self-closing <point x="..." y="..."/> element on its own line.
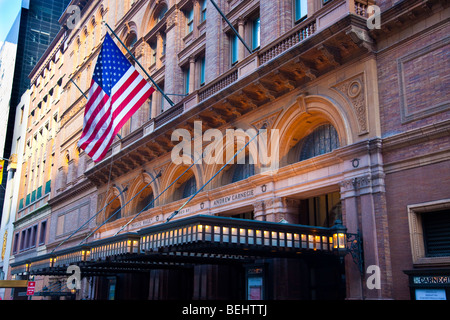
<point x="113" y="207"/>
<point x="190" y="187"/>
<point x="160" y="15"/>
<point x="131" y="40"/>
<point x="243" y="171"/>
<point x="146" y="201"/>
<point x="322" y="140"/>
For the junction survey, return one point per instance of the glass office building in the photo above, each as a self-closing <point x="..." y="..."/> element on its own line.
<point x="38" y="26"/>
<point x="33" y="30"/>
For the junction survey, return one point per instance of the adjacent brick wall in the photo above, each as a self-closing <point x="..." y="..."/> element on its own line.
<point x="403" y="188"/>
<point x="426" y="98"/>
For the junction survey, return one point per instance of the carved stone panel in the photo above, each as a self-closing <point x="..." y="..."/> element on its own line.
<point x="354" y="91"/>
<point x="268" y="120"/>
<point x="172" y="19"/>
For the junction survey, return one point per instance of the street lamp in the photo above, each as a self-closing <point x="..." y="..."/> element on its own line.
<point x="73" y="291"/>
<point x="344" y="242"/>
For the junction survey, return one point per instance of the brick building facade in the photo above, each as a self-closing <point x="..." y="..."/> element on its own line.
<point x="362" y="120"/>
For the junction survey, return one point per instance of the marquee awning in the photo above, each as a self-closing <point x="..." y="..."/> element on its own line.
<point x="195" y="240"/>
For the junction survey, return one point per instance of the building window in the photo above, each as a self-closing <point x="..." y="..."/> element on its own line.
<point x="21" y="115"/>
<point x="115" y="211"/>
<point x="234" y="48"/>
<point x="33" y="236"/>
<point x="43" y="231"/>
<point x="28" y="239"/>
<point x="131" y="40"/>
<point x="163" y="37"/>
<point x="300" y="9"/>
<point x="429" y="229"/>
<point x="256" y="33"/>
<point x="153" y="47"/>
<point x="150" y="108"/>
<point x="16" y="243"/>
<point x="202" y="71"/>
<point x="186" y="73"/>
<point x="203" y="11"/>
<point x="145" y="202"/>
<point x="48" y="187"/>
<point x="23" y="239"/>
<point x="322" y="140"/>
<point x="161" y="13"/>
<point x="190" y="20"/>
<point x="243" y="171"/>
<point x="162" y="99"/>
<point x="190" y="187"/>
<point x="436" y="232"/>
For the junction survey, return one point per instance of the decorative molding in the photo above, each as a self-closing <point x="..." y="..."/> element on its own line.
<point x="258" y="206"/>
<point x="141" y="48"/>
<point x="268" y="120"/>
<point x="290" y="203"/>
<point x="354" y="90"/>
<point x="356" y="183"/>
<point x="172" y="19"/>
<point x="362" y="38"/>
<point x="302" y="103"/>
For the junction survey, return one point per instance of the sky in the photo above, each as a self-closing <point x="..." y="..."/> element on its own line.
<point x="9" y="9"/>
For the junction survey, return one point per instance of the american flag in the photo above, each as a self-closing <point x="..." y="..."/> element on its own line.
<point x="116" y="93"/>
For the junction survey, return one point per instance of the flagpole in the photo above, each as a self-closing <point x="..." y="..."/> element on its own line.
<point x="145" y="208"/>
<point x="198" y="191"/>
<point x="139" y="64"/>
<point x="90" y="234"/>
<point x="231" y="26"/>
<point x="89" y="220"/>
<point x="82" y="92"/>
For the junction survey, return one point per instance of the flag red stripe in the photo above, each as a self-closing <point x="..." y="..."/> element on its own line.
<point x="131" y="112"/>
<point x="114" y="116"/>
<point x="134" y="108"/>
<point x="91" y="95"/>
<point x="94" y="114"/>
<point x="101" y="139"/>
<point x="107" y="114"/>
<point x="98" y="125"/>
<point x="128" y="98"/>
<point x="125" y="86"/>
